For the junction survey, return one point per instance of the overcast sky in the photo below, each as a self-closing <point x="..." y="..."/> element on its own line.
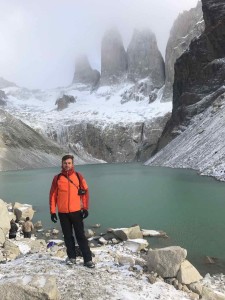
<point x="39" y="39"/>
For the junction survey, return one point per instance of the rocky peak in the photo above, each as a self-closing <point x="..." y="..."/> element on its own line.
<point x="187" y="26"/>
<point x="145" y="59"/>
<point x="84" y="73"/>
<point x="113" y="58"/>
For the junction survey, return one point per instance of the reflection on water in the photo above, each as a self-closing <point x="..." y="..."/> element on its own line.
<point x="188" y="207"/>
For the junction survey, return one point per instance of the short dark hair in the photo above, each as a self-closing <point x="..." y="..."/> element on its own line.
<point x="27" y="218"/>
<point x="67" y="156"/>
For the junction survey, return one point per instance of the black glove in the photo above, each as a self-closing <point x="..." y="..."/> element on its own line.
<point x="84" y="213"/>
<point x="54" y="218"/>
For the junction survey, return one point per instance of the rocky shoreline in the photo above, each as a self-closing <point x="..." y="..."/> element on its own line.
<point x="126" y="268"/>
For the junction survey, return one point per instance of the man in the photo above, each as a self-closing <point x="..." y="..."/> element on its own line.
<point x="13" y="229"/>
<point x="69" y="193"/>
<point x="27" y="228"/>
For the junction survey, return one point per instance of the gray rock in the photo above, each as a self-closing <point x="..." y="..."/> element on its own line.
<point x="4" y="218"/>
<point x="136" y="245"/>
<point x="113" y="58"/>
<point x="187" y="26"/>
<point x="23" y="147"/>
<point x="84" y="73"/>
<point x="64" y="101"/>
<point x="2" y="237"/>
<point x="128" y="233"/>
<point x="5" y="83"/>
<point x="3" y="98"/>
<point x="166" y="261"/>
<point x="210" y="294"/>
<point x="11" y="250"/>
<point x="188" y="273"/>
<point x="114" y="142"/>
<point x="22" y="211"/>
<point x="199" y="72"/>
<point x="145" y="59"/>
<point x="37" y="287"/>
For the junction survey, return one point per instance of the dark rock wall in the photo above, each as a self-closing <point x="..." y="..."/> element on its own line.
<point x="186" y="27"/>
<point x="198" y="72"/>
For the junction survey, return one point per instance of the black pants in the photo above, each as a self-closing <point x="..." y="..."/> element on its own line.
<point x="70" y="221"/>
<point x="27" y="234"/>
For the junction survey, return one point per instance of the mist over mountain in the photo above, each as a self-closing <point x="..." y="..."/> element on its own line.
<point x="116" y="116"/>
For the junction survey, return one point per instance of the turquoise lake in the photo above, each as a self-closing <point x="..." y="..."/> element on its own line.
<point x="188" y="207"/>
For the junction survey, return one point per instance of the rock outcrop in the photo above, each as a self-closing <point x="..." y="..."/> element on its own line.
<point x="199" y="72"/>
<point x="22" y="147"/>
<point x="3" y="98"/>
<point x="113" y="58"/>
<point x="64" y="101"/>
<point x="187" y="26"/>
<point x="5" y="83"/>
<point x="114" y="142"/>
<point x="84" y="73"/>
<point x="145" y="59"/>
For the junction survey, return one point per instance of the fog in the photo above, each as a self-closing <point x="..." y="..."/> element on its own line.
<point x="40" y="39"/>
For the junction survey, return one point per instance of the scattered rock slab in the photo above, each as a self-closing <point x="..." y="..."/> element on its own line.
<point x="124" y="234"/>
<point x="153" y="233"/>
<point x="136" y="245"/>
<point x="36" y="287"/>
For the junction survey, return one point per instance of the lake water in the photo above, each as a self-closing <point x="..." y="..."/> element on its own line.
<point x="188" y="207"/>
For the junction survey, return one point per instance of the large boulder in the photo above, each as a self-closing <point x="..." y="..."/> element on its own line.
<point x="4" y="217"/>
<point x="166" y="261"/>
<point x="145" y="59"/>
<point x="113" y="58"/>
<point x="37" y="287"/>
<point x="22" y="211"/>
<point x="11" y="250"/>
<point x="64" y="101"/>
<point x="84" y="73"/>
<point x="188" y="273"/>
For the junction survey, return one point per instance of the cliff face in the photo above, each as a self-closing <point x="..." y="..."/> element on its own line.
<point x="144" y="59"/>
<point x="113" y="58"/>
<point x="197" y="122"/>
<point x="187" y="26"/>
<point x="199" y="72"/>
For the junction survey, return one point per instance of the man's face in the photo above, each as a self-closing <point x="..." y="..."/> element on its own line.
<point x="67" y="164"/>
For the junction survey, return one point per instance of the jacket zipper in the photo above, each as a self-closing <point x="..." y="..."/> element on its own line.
<point x="68" y="193"/>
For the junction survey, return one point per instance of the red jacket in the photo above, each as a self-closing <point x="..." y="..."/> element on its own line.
<point x="64" y="193"/>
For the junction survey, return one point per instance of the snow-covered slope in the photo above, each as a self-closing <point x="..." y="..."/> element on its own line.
<point x="97" y="121"/>
<point x="201" y="146"/>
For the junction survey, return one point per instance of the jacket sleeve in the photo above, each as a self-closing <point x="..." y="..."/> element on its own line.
<point x="84" y="198"/>
<point x="53" y="196"/>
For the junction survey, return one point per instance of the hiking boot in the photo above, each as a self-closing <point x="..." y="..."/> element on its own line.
<point x="70" y="261"/>
<point x="89" y="264"/>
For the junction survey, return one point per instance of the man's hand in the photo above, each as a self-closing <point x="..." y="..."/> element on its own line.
<point x="54" y="218"/>
<point x="84" y="214"/>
